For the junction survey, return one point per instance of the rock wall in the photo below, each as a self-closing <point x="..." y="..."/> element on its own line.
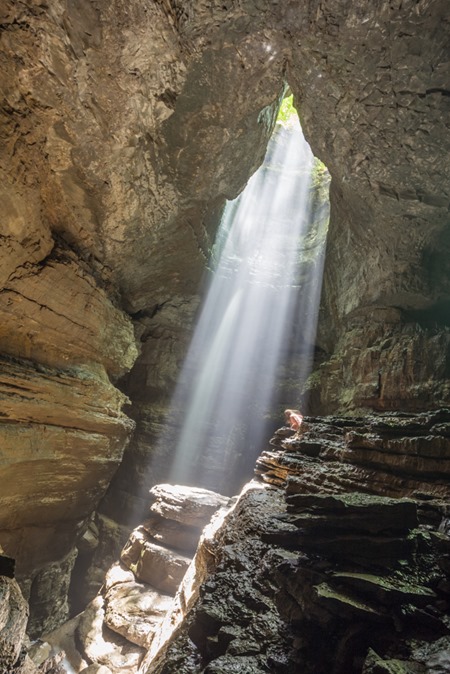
<point x="325" y="565"/>
<point x="108" y="204"/>
<point x="371" y="89"/>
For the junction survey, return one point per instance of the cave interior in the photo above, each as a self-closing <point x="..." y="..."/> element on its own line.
<point x="125" y="130"/>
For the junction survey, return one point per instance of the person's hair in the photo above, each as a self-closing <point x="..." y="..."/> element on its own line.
<point x="287" y="413"/>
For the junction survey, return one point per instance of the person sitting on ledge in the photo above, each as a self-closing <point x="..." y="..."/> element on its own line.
<point x="294" y="418"/>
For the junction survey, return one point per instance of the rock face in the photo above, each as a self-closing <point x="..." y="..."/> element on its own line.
<point x="13" y="623"/>
<point x="374" y="103"/>
<point x="370" y="88"/>
<point x="15" y="657"/>
<point x="108" y="205"/>
<point x="63" y="435"/>
<point x="340" y="579"/>
<point x="118" y="626"/>
<point x="392" y="455"/>
<point x="124" y="128"/>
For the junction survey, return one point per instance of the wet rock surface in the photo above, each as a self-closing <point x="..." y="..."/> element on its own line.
<point x="396" y="454"/>
<point x="339" y="579"/>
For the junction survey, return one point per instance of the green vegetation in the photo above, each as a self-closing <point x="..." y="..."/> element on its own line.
<point x="287" y="113"/>
<point x="320" y="174"/>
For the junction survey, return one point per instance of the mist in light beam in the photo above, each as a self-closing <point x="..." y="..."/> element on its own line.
<point x="267" y="248"/>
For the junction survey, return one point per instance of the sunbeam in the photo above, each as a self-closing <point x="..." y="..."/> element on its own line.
<point x="227" y="383"/>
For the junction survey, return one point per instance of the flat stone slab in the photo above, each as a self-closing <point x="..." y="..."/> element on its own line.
<point x="116" y="574"/>
<point x="161" y="567"/>
<point x="103" y="646"/>
<point x="172" y="534"/>
<point x="96" y="669"/>
<point x="345" y="605"/>
<point x="357" y="512"/>
<point x="135" y="611"/>
<point x="189" y="505"/>
<point x="388" y="591"/>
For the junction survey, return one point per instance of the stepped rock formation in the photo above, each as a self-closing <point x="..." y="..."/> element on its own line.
<point x="124" y="126"/>
<point x="316" y="574"/>
<point x="117" y="628"/>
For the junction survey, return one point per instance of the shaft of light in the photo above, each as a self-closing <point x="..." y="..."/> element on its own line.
<point x="227" y="382"/>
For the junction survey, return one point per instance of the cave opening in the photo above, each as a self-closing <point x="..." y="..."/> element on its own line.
<point x="264" y="283"/>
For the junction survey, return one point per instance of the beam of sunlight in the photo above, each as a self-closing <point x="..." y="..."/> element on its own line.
<point x="254" y="302"/>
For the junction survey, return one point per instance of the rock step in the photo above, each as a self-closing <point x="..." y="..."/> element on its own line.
<point x="102" y="646"/>
<point x="360" y="512"/>
<point x="172" y="534"/>
<point x="154" y="564"/>
<point x="135" y="610"/>
<point x="387" y="590"/>
<point x="118" y="627"/>
<point x="390" y="454"/>
<point x="188" y="505"/>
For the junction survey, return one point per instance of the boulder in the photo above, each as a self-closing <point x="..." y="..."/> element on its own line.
<point x="13" y="622"/>
<point x="135" y="610"/>
<point x="171" y="533"/>
<point x="96" y="669"/>
<point x="161" y="567"/>
<point x="103" y="646"/>
<point x="188" y="505"/>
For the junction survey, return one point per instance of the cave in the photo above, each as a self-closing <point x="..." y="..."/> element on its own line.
<point x="126" y="129"/>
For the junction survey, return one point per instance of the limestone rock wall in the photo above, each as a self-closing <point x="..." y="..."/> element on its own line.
<point x="108" y="205"/>
<point x="371" y="87"/>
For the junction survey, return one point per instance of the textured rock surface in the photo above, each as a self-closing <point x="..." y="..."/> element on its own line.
<point x="13" y="623"/>
<point x="102" y="645"/>
<point x="16" y="654"/>
<point x="191" y="506"/>
<point x="393" y="455"/>
<point x="374" y="102"/>
<point x="107" y="205"/>
<point x="384" y="360"/>
<point x="322" y="580"/>
<point x="370" y="87"/>
<point x="118" y="626"/>
<point x="133" y="611"/>
<point x="63" y="435"/>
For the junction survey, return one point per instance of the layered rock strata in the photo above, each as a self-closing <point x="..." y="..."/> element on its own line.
<point x="342" y="579"/>
<point x="108" y="205"/>
<point x="118" y="626"/>
<point x="63" y="434"/>
<point x="371" y="91"/>
<point x="385" y="359"/>
<point x="370" y="85"/>
<point x="392" y="455"/>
